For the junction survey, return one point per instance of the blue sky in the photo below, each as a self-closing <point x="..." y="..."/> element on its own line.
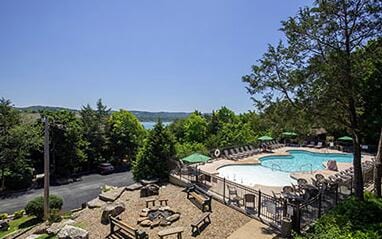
<point x="158" y="55"/>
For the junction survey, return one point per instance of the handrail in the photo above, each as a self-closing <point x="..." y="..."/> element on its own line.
<point x="307" y="164"/>
<point x="275" y="165"/>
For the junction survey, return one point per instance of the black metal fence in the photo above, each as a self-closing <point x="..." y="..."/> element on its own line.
<point x="270" y="208"/>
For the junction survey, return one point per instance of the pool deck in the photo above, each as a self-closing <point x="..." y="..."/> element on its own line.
<point x="212" y="167"/>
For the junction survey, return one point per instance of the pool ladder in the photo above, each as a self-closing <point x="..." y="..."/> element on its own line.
<point x="277" y="166"/>
<point x="308" y="164"/>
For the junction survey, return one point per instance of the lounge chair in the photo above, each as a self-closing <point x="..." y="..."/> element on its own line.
<point x="233" y="196"/>
<point x="311" y="145"/>
<point x="319" y="145"/>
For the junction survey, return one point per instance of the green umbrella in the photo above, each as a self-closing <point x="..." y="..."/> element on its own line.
<point x="346" y="138"/>
<point x="195" y="158"/>
<point x="265" y="138"/>
<point x="289" y="134"/>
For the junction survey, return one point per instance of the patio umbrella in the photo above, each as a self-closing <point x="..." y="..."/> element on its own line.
<point x="345" y="138"/>
<point x="289" y="133"/>
<point x="265" y="138"/>
<point x="195" y="158"/>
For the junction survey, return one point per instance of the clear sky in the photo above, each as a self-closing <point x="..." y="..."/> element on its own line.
<point x="157" y="55"/>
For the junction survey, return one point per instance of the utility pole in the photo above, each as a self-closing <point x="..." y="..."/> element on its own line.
<point x="46" y="168"/>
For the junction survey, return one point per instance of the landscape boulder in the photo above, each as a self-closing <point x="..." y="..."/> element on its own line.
<point x="95" y="203"/>
<point x="111" y="209"/>
<point x="149" y="190"/>
<point x="72" y="232"/>
<point x="133" y="187"/>
<point x="56" y="227"/>
<point x="173" y="217"/>
<point x="4" y="225"/>
<point x="111" y="195"/>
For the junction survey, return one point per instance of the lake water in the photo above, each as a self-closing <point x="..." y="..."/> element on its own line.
<point x="150" y="125"/>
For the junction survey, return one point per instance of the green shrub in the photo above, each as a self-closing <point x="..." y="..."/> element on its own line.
<point x="19" y="178"/>
<point x="350" y="219"/>
<point x="19" y="214"/>
<point x="3" y="216"/>
<point x="54" y="216"/>
<point x="36" y="206"/>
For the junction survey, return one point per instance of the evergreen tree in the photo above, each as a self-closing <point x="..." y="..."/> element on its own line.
<point x="152" y="159"/>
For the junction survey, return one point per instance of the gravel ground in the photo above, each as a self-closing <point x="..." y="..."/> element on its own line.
<point x="225" y="220"/>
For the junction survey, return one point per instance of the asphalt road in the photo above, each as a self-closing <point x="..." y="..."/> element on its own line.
<point x="74" y="194"/>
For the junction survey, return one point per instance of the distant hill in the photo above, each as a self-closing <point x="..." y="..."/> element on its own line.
<point x="143" y="116"/>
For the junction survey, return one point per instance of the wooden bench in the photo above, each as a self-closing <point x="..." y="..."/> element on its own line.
<point x="200" y="196"/>
<point x="148" y="201"/>
<point x="202" y="220"/>
<point x="119" y="228"/>
<point x="172" y="231"/>
<point x="163" y="201"/>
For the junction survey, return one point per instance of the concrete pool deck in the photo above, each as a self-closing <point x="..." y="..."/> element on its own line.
<point x="213" y="166"/>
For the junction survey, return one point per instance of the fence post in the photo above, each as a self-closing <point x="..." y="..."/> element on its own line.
<point x="351" y="185"/>
<point x="224" y="190"/>
<point x="336" y="194"/>
<point x="296" y="218"/>
<point x="285" y="207"/>
<point x="319" y="204"/>
<point x="259" y="204"/>
<point x="197" y="175"/>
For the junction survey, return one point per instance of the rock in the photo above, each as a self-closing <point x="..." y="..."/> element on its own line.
<point x="95" y="203"/>
<point x="33" y="236"/>
<point x="56" y="227"/>
<point x="71" y="232"/>
<point x="134" y="186"/>
<point x="112" y="209"/>
<point x="164" y="222"/>
<point x="4" y="225"/>
<point x="152" y="181"/>
<point x="142" y="219"/>
<point x="155" y="223"/>
<point x="145" y="209"/>
<point x="173" y="217"/>
<point x="165" y="208"/>
<point x="149" y="190"/>
<point x="145" y="223"/>
<point x="143" y="214"/>
<point x="112" y="195"/>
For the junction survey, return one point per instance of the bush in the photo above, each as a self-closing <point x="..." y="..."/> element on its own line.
<point x="19" y="178"/>
<point x="3" y="216"/>
<point x="35" y="207"/>
<point x="350" y="219"/>
<point x="54" y="216"/>
<point x="19" y="214"/>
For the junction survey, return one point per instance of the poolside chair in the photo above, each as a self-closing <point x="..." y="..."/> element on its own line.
<point x="249" y="199"/>
<point x="233" y="196"/>
<point x="319" y="145"/>
<point x="277" y="196"/>
<point x="302" y="181"/>
<point x="311" y="144"/>
<point x="288" y="189"/>
<point x="319" y="177"/>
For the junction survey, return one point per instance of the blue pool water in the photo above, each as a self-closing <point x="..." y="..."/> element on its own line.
<point x="301" y="160"/>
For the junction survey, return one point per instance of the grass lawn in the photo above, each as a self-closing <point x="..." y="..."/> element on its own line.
<point x="20" y="223"/>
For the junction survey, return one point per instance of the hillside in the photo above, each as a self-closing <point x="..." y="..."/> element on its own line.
<point x="143" y="116"/>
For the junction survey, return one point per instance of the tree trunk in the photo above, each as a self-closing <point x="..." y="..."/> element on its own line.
<point x="378" y="169"/>
<point x="358" y="178"/>
<point x="2" y="188"/>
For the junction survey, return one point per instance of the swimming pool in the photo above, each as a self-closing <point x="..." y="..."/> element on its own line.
<point x="302" y="160"/>
<point x="255" y="174"/>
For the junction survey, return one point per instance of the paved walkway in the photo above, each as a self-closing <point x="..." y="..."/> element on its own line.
<point x="253" y="229"/>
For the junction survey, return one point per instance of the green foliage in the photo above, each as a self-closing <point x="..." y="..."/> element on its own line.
<point x="3" y="216"/>
<point x="126" y="135"/>
<point x="21" y="223"/>
<point x="94" y="123"/>
<point x="54" y="216"/>
<point x="152" y="159"/>
<point x="350" y="219"/>
<point x="195" y="129"/>
<point x="17" y="139"/>
<point x="19" y="214"/>
<point x="185" y="149"/>
<point x="35" y="207"/>
<point x="67" y="143"/>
